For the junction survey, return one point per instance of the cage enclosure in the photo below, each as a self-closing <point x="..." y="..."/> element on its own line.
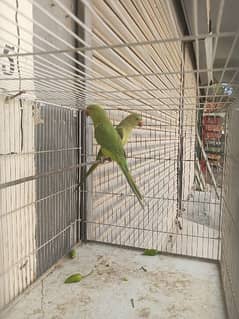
<point x="175" y="64"/>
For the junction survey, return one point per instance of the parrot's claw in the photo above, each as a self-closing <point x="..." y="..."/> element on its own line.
<point x="104" y="160"/>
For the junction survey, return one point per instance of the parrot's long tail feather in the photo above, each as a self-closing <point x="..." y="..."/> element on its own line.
<point x="91" y="169"/>
<point x="131" y="183"/>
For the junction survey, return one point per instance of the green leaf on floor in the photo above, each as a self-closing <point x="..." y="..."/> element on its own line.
<point x="72" y="253"/>
<point x="73" y="278"/>
<point x="150" y="252"/>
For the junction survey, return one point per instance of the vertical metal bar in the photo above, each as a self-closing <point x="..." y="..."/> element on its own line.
<point x="222" y="185"/>
<point x="180" y="138"/>
<point x="81" y="225"/>
<point x="83" y="193"/>
<point x="85" y="132"/>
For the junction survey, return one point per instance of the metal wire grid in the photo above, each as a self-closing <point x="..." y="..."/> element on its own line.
<point x="39" y="204"/>
<point x="109" y="66"/>
<point x="131" y="57"/>
<point x="111" y="207"/>
<point x="57" y="226"/>
<point x="154" y="153"/>
<point x="116" y="217"/>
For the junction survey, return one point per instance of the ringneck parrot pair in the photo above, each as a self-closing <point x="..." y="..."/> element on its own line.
<point x="124" y="129"/>
<point x="112" y="140"/>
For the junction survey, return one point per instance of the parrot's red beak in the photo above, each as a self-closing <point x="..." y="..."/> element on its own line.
<point x="140" y="123"/>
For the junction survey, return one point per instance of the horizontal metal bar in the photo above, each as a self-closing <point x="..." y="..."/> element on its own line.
<point x="163" y="252"/>
<point x="39" y="200"/>
<point x="149" y="230"/>
<point x="46" y="174"/>
<point x="188" y="38"/>
<point x="165" y="73"/>
<point x="40" y="152"/>
<point x="125" y="76"/>
<point x="34" y="251"/>
<point x="217" y="202"/>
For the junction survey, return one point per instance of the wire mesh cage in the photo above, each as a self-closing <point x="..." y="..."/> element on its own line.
<point x="173" y="62"/>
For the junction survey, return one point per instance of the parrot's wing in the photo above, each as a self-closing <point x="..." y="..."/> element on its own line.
<point x="120" y="131"/>
<point x="109" y="139"/>
<point x="123" y="133"/>
<point x="124" y="130"/>
<point x="100" y="155"/>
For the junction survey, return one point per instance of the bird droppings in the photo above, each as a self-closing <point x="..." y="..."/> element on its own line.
<point x="172" y="287"/>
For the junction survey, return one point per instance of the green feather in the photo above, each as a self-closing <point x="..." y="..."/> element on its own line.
<point x="72" y="253"/>
<point x="73" y="278"/>
<point x="150" y="252"/>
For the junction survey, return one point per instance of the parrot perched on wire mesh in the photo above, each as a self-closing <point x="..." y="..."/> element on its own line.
<point x="111" y="145"/>
<point x="124" y="129"/>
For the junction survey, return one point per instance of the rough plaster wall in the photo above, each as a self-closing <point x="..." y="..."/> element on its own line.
<point x="17" y="207"/>
<point x="13" y="68"/>
<point x="20" y="228"/>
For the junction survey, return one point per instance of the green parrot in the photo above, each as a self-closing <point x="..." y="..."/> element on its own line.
<point x="111" y="145"/>
<point x="124" y="129"/>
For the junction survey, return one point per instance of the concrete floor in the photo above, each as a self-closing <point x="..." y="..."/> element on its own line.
<point x="119" y="288"/>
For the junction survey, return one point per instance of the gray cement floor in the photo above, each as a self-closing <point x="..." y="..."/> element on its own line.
<point x="119" y="288"/>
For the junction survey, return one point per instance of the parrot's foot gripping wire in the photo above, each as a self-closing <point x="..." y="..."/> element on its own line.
<point x="104" y="160"/>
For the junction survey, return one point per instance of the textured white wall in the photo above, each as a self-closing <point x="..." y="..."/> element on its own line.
<point x="17" y="207"/>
